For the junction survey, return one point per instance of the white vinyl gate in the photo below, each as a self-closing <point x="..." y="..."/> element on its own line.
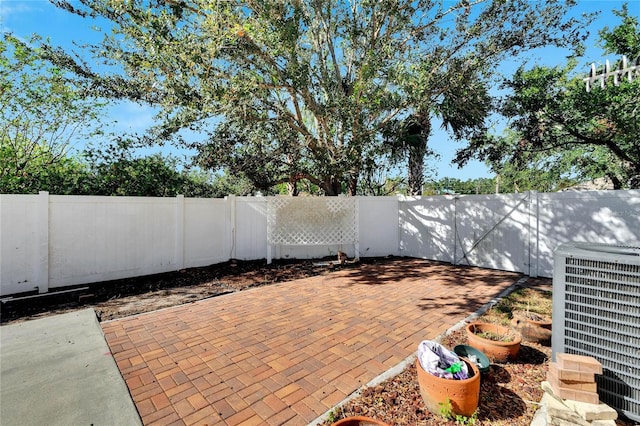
<point x="491" y="231"/>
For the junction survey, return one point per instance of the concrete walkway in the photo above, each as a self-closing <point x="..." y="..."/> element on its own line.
<point x="59" y="371"/>
<point x="285" y="354"/>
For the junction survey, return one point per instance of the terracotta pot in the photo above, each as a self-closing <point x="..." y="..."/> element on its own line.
<point x="463" y="395"/>
<point x="532" y="330"/>
<point x="524" y="317"/>
<point x="359" y="421"/>
<point x="495" y="350"/>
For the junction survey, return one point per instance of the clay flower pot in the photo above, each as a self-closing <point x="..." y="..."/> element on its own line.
<point x="496" y="350"/>
<point x="359" y="421"/>
<point x="463" y="395"/>
<point x="532" y="319"/>
<point x="532" y="327"/>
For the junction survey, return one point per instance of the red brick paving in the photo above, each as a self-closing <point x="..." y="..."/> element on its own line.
<point x="286" y="353"/>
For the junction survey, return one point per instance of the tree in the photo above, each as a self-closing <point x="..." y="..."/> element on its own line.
<point x="306" y="86"/>
<point x="578" y="134"/>
<point x="43" y="112"/>
<point x="116" y="170"/>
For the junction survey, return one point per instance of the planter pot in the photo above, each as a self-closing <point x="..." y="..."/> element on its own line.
<point x="482" y="363"/>
<point x="359" y="421"/>
<point x="537" y="320"/>
<point x="532" y="330"/>
<point x="463" y="395"/>
<point x="495" y="350"/>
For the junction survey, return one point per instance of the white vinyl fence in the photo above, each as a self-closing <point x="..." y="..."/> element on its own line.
<point x="52" y="241"/>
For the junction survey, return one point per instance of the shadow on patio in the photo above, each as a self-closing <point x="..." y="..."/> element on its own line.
<point x="286" y="353"/>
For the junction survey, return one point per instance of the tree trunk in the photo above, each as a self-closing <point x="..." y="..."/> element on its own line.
<point x="417" y="151"/>
<point x="416" y="169"/>
<point x="292" y="185"/>
<point x="292" y="188"/>
<point x="353" y="184"/>
<point x="332" y="186"/>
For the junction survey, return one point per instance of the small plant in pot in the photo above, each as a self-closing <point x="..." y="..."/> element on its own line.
<point x="498" y="342"/>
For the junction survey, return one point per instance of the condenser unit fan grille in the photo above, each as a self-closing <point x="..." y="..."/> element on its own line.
<point x="599" y="316"/>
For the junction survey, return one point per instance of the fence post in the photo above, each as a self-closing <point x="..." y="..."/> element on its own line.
<point x="455" y="230"/>
<point x="179" y="232"/>
<point x="533" y="234"/>
<point x="231" y="225"/>
<point x="42" y="230"/>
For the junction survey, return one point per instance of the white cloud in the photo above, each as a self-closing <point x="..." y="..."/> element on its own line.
<point x="12" y="11"/>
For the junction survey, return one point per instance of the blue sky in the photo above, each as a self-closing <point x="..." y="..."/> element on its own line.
<point x="26" y="17"/>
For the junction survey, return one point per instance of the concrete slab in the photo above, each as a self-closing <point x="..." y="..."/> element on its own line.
<point x="59" y="371"/>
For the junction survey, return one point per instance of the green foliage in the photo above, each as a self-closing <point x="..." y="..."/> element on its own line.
<point x="40" y="170"/>
<point x="623" y="39"/>
<point x="446" y="409"/>
<point x="451" y="186"/>
<point x="43" y="112"/>
<point x="560" y="133"/>
<point x="292" y="91"/>
<point x="464" y="420"/>
<point x="116" y="170"/>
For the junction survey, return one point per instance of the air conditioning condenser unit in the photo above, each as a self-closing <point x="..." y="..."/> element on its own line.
<point x="596" y="312"/>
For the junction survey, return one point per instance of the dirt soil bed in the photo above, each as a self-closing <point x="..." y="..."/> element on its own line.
<point x="121" y="298"/>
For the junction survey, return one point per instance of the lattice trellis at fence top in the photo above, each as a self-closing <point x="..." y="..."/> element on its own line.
<point x="312" y="220"/>
<point x="625" y="70"/>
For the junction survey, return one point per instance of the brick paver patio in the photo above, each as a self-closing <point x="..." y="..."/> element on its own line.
<point x="286" y="353"/>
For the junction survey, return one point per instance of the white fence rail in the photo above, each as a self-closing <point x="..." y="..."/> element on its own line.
<point x="50" y="241"/>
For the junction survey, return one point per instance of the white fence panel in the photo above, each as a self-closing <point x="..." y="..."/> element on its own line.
<point x="54" y="241"/>
<point x="104" y="238"/>
<point x="311" y="252"/>
<point x="20" y="238"/>
<point x="206" y="226"/>
<point x="492" y="231"/>
<point x="426" y="227"/>
<point x="249" y="228"/>
<point x="379" y="222"/>
<point x="611" y="217"/>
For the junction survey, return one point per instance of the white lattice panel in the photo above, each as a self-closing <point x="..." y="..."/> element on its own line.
<point x="312" y="220"/>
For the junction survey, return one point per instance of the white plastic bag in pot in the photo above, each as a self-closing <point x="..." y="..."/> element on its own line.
<point x="436" y="359"/>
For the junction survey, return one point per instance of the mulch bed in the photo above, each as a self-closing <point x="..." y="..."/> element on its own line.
<point x="509" y="392"/>
<point x="125" y="297"/>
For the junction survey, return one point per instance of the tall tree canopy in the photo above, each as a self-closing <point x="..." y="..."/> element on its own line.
<point x="556" y="124"/>
<point x="285" y="90"/>
<point x="43" y="112"/>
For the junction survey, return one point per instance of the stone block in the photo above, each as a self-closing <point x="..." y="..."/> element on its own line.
<point x="540" y="416"/>
<point x="576" y="395"/>
<point x="603" y="423"/>
<point x="587" y="364"/>
<point x="559" y="413"/>
<point x="592" y="411"/>
<point x="571" y="384"/>
<point x="576" y="376"/>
